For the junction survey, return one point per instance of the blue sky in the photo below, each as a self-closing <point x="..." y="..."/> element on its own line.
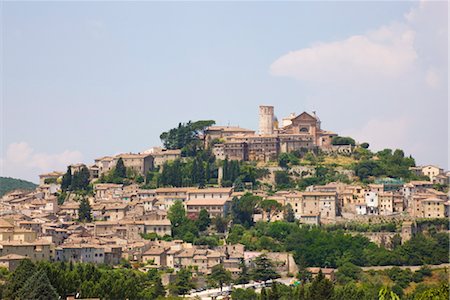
<point x="86" y="79"/>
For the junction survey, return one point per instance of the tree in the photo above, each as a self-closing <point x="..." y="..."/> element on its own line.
<point x="440" y="292"/>
<point x="365" y="145"/>
<point x="341" y="140"/>
<point x="263" y="269"/>
<point x="84" y="211"/>
<point x="350" y="291"/>
<point x="220" y="223"/>
<point x="321" y="288"/>
<point x="81" y="179"/>
<point x="182" y="227"/>
<point x="242" y="209"/>
<point x="274" y="293"/>
<point x="37" y="287"/>
<point x="158" y="289"/>
<point x="304" y="275"/>
<point x="171" y="174"/>
<point x="243" y="276"/>
<point x="348" y="272"/>
<point x="263" y="295"/>
<point x="186" y="136"/>
<point x="66" y="181"/>
<point x="367" y="168"/>
<point x="183" y="283"/>
<point x="289" y="215"/>
<point x="244" y="294"/>
<point x="23" y="272"/>
<point x="203" y="220"/>
<point x="282" y="179"/>
<point x="177" y="214"/>
<point x="283" y="160"/>
<point x="396" y="241"/>
<point x="219" y="276"/>
<point x="270" y="206"/>
<point x="120" y="170"/>
<point x="231" y="171"/>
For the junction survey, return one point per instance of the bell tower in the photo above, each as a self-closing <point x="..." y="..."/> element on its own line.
<point x="266" y="119"/>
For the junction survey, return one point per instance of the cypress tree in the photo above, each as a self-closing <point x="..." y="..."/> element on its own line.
<point x="289" y="215"/>
<point x="120" y="171"/>
<point x="66" y="180"/>
<point x="226" y="175"/>
<point x="158" y="288"/>
<point x="84" y="211"/>
<point x="274" y="294"/>
<point x="263" y="295"/>
<point x="321" y="288"/>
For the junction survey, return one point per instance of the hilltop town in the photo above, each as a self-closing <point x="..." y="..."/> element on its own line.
<point x="227" y="199"/>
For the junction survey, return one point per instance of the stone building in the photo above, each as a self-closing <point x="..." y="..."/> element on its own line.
<point x="297" y="133"/>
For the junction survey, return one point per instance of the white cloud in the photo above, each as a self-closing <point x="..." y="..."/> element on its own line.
<point x="390" y="83"/>
<point x="22" y="161"/>
<point x="387" y="52"/>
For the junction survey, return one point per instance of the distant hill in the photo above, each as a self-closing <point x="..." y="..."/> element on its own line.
<point x="8" y="184"/>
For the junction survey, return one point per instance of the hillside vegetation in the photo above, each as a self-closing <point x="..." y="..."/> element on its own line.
<point x="8" y="184"/>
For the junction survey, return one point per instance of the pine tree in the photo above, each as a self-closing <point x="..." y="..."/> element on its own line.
<point x="207" y="171"/>
<point x="38" y="287"/>
<point x="274" y="294"/>
<point x="120" y="171"/>
<point x="289" y="215"/>
<point x="243" y="276"/>
<point x="263" y="269"/>
<point x="219" y="276"/>
<point x="225" y="170"/>
<point x="301" y="292"/>
<point x="263" y="295"/>
<point x="158" y="288"/>
<point x="321" y="288"/>
<point x="201" y="178"/>
<point x="18" y="278"/>
<point x="84" y="211"/>
<point x="66" y="180"/>
<point x="176" y="174"/>
<point x="195" y="172"/>
<point x="203" y="220"/>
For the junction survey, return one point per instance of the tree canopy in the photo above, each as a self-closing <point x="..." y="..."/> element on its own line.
<point x="186" y="136"/>
<point x="341" y="140"/>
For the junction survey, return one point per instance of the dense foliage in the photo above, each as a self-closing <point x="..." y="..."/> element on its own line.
<point x="44" y="279"/>
<point x="319" y="247"/>
<point x="195" y="171"/>
<point x="189" y="230"/>
<point x="182" y="227"/>
<point x="342" y="140"/>
<point x="78" y="181"/>
<point x="187" y="136"/>
<point x="242" y="209"/>
<point x="321" y="288"/>
<point x="219" y="276"/>
<point x="8" y="184"/>
<point x="84" y="211"/>
<point x="236" y="172"/>
<point x="389" y="163"/>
